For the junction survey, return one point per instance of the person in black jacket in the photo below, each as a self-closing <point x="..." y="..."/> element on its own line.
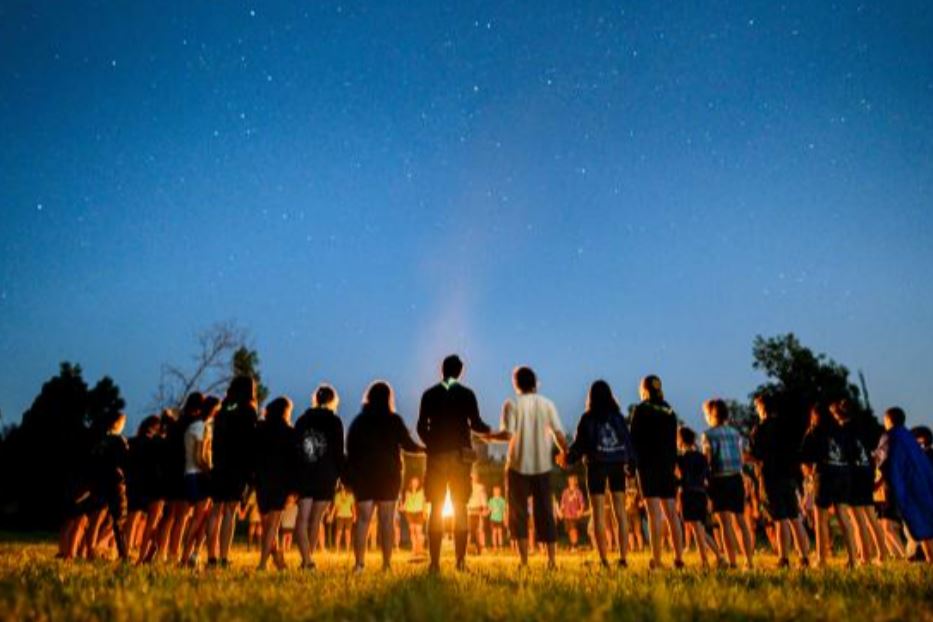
<point x="319" y="433"/>
<point x="654" y="435"/>
<point x="374" y="467"/>
<point x="143" y="481"/>
<point x="774" y="447"/>
<point x="448" y="415"/>
<point x="604" y="444"/>
<point x="275" y="467"/>
<point x="233" y="455"/>
<point x="108" y="489"/>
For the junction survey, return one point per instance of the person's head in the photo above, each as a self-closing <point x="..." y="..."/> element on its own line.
<point x="525" y="380"/>
<point x="113" y="422"/>
<point x="149" y="427"/>
<point x="379" y="397"/>
<point x="279" y="410"/>
<point x="191" y="411"/>
<point x="414" y="484"/>
<point x="601" y="399"/>
<point x="841" y="411"/>
<point x="474" y="476"/>
<point x="716" y="411"/>
<point x="819" y="416"/>
<point x="924" y="436"/>
<point x="764" y="406"/>
<point x="894" y="417"/>
<point x="686" y="438"/>
<point x="650" y="389"/>
<point x="210" y="407"/>
<point x="452" y="367"/>
<point x="242" y="392"/>
<point x="325" y="396"/>
<point x="497" y="491"/>
<point x="572" y="482"/>
<point x="168" y="417"/>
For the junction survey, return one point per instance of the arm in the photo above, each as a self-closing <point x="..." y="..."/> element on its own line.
<point x="424" y="419"/>
<point x="477" y="425"/>
<point x="405" y="440"/>
<point x="505" y="423"/>
<point x="557" y="429"/>
<point x="577" y="449"/>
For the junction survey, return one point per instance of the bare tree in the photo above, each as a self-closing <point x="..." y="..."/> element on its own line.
<point x="210" y="370"/>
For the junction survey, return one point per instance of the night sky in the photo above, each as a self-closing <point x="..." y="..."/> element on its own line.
<point x="595" y="189"/>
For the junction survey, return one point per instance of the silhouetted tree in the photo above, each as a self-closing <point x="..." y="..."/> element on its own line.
<point x="42" y="458"/>
<point x="211" y="371"/>
<point x="798" y="378"/>
<point x="246" y="363"/>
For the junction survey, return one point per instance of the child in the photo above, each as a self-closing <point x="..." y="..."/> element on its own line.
<point x="823" y="455"/>
<point x="633" y="515"/>
<point x="476" y="512"/>
<point x="289" y="518"/>
<point x="694" y="471"/>
<point x="250" y="512"/>
<point x="571" y="510"/>
<point x="723" y="447"/>
<point x="497" y="517"/>
<point x="344" y="516"/>
<point x="909" y="475"/>
<point x="772" y="447"/>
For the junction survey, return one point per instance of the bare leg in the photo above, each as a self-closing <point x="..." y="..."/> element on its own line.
<point x="315" y="534"/>
<point x="748" y="541"/>
<point x="655" y="528"/>
<point x="270" y="533"/>
<point x="387" y="529"/>
<point x="728" y="535"/>
<point x="801" y="539"/>
<point x="364" y="513"/>
<point x="848" y="531"/>
<point x="618" y="508"/>
<point x="598" y="504"/>
<point x="669" y="508"/>
<point x="301" y="530"/>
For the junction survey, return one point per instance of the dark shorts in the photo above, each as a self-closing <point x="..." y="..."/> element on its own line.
<point x="139" y="500"/>
<point x="443" y="470"/>
<point x="475" y="522"/>
<point x="572" y="524"/>
<point x="727" y="492"/>
<point x="862" y="487"/>
<point x="384" y="487"/>
<point x="342" y="523"/>
<point x="657" y="483"/>
<point x="414" y="518"/>
<point x="538" y="487"/>
<point x="780" y="500"/>
<point x="271" y="499"/>
<point x="833" y="487"/>
<point x="887" y="510"/>
<point x="229" y="486"/>
<point x="196" y="487"/>
<point x="599" y="475"/>
<point x="693" y="505"/>
<point x="318" y="490"/>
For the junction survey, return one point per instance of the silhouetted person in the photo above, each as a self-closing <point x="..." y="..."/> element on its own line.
<point x="108" y="488"/>
<point x="375" y="441"/>
<point x="321" y="458"/>
<point x="448" y="415"/>
<point x="276" y="462"/>
<point x="234" y="464"/>
<point x="144" y="481"/>
<point x="654" y="435"/>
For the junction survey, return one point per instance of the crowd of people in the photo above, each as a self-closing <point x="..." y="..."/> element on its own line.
<point x="181" y="483"/>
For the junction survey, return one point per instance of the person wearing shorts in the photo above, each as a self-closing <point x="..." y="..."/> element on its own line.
<point x="723" y="447"/>
<point x="497" y="507"/>
<point x="413" y="506"/>
<point x="344" y="515"/>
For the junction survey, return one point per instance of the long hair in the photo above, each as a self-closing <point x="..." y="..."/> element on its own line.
<point x="152" y="423"/>
<point x="379" y="397"/>
<point x="241" y="392"/>
<point x="651" y="389"/>
<point x="191" y="411"/>
<point x="278" y="410"/>
<point x="600" y="399"/>
<point x="210" y="407"/>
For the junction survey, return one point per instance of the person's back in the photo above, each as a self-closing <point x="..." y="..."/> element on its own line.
<point x="654" y="435"/>
<point x="449" y="412"/>
<point x="693" y="471"/>
<point x="319" y="434"/>
<point x="532" y="420"/>
<point x="275" y="455"/>
<point x="234" y="429"/>
<point x="725" y="445"/>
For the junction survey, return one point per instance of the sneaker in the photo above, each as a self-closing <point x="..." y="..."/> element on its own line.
<point x="679" y="564"/>
<point x="622" y="563"/>
<point x="783" y="563"/>
<point x="358" y="569"/>
<point x="804" y="562"/>
<point x="655" y="565"/>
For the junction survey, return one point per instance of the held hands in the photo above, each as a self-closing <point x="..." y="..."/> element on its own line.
<point x="561" y="459"/>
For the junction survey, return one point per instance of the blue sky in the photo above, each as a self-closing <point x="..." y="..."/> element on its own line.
<point x="598" y="189"/>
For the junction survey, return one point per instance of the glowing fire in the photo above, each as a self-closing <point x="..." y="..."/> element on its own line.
<point x="447" y="510"/>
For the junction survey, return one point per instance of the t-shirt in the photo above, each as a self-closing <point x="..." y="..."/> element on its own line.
<point x="414" y="501"/>
<point x="533" y="421"/>
<point x="693" y="471"/>
<point x="477" y="500"/>
<point x="196" y="432"/>
<point x="775" y="445"/>
<point x="825" y="447"/>
<point x="571" y="503"/>
<point x="723" y="444"/>
<point x="233" y="437"/>
<point x="343" y="504"/>
<point x="497" y="509"/>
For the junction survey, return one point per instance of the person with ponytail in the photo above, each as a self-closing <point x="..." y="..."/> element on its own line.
<point x="234" y="458"/>
<point x="654" y="436"/>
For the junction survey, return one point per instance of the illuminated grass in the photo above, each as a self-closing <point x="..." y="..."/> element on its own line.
<point x="34" y="586"/>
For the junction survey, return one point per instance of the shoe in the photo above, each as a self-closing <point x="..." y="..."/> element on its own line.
<point x="783" y="563"/>
<point x="679" y="564"/>
<point x="357" y="569"/>
<point x="722" y="564"/>
<point x="622" y="563"/>
<point x="804" y="562"/>
<point x="655" y="565"/>
<point x="212" y="562"/>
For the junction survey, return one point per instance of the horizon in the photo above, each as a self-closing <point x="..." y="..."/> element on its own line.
<point x="598" y="193"/>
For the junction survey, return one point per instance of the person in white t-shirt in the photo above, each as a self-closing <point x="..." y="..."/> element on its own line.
<point x="532" y="426"/>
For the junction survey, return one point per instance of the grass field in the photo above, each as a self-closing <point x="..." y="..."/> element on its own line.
<point x="34" y="586"/>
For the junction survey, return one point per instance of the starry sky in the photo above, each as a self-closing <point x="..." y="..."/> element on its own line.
<point x="598" y="189"/>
